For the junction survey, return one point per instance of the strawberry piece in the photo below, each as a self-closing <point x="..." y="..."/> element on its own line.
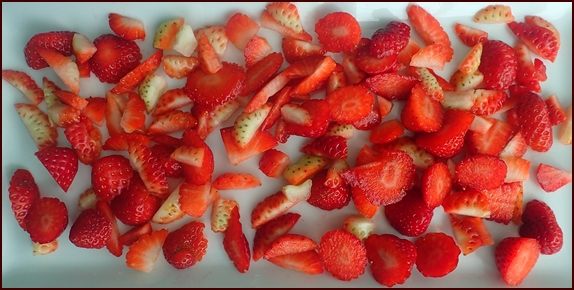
<point x="120" y="142"/>
<point x="516" y="147"/>
<point x="63" y="66"/>
<point x="240" y="29"/>
<point x="113" y="114"/>
<point x="114" y="58"/>
<point x="38" y="124"/>
<point x="248" y="124"/>
<point x="179" y="66"/>
<point x="480" y="172"/>
<point x="144" y="252"/>
<point x="429" y="28"/>
<point x="260" y="72"/>
<point x="391" y="86"/>
<point x="166" y="32"/>
<point x="551" y="178"/>
<point x="256" y="50"/>
<point x="235" y="243"/>
<point x="391" y="258"/>
<point x="216" y="36"/>
<point x="565" y="128"/>
<point x="471" y="60"/>
<point x="517" y="169"/>
<point x="502" y="201"/>
<point x="407" y="53"/>
<point x="468" y="203"/>
<point x="208" y="58"/>
<point x="437" y="254"/>
<point x="84" y="68"/>
<point x="498" y="64"/>
<point x="538" y="39"/>
<point x="126" y="27"/>
<point x="556" y="113"/>
<point x="421" y="113"/>
<point x="186" y="246"/>
<point x="540" y="223"/>
<point x="316" y="79"/>
<point x="283" y="17"/>
<point x="464" y="82"/>
<point x="149" y="168"/>
<point x="515" y="257"/>
<point x="304" y="168"/>
<point x="95" y="110"/>
<point x="383" y="181"/>
<point x="386" y="132"/>
<point x="363" y="205"/>
<point x="527" y="75"/>
<point x="289" y="244"/>
<point x="111" y="176"/>
<point x="261" y="142"/>
<point x="307" y="262"/>
<point x="133" y="116"/>
<point x="91" y="229"/>
<point x="353" y="73"/>
<point x="25" y="84"/>
<point x="273" y="162"/>
<point x="389" y="40"/>
<point x="114" y="246"/>
<point x="491" y="142"/>
<point x="23" y="192"/>
<point x="337" y="79"/>
<point x="433" y="57"/>
<point x="338" y="31"/>
<point x="231" y="180"/>
<point x="295" y="50"/>
<point x="151" y="88"/>
<point x="71" y="99"/>
<point x="342" y="254"/>
<point x="221" y="213"/>
<point x="46" y="219"/>
<point x="170" y="210"/>
<point x="320" y="113"/>
<point x="409" y="216"/>
<point x="360" y="226"/>
<point x="327" y="146"/>
<point x="86" y="141"/>
<point x="87" y="199"/>
<point x="192" y="174"/>
<point x="492" y="14"/>
<point x="470" y="36"/>
<point x="61" y="163"/>
<point x="333" y="178"/>
<point x="371" y="65"/>
<point x="267" y="233"/>
<point x="215" y="89"/>
<point x="171" y="100"/>
<point x="533" y="121"/>
<point x="421" y="158"/>
<point x="196" y="199"/>
<point x="435" y="185"/>
<point x="470" y="233"/>
<point x="135" y="205"/>
<point x="171" y="122"/>
<point x="50" y="88"/>
<point x="134" y="77"/>
<point x="269" y="208"/>
<point x="369" y="122"/>
<point x="172" y="167"/>
<point x="328" y="198"/>
<point x="448" y="141"/>
<point x="350" y="104"/>
<point x="133" y="234"/>
<point x="59" y="41"/>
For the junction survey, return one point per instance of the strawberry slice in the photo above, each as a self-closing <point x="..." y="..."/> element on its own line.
<point x="498" y="63"/>
<point x="189" y="155"/>
<point x="196" y="199"/>
<point x="429" y="28"/>
<point x="360" y="226"/>
<point x="113" y="245"/>
<point x="71" y="99"/>
<point x="327" y="146"/>
<point x="295" y="49"/>
<point x="149" y="168"/>
<point x="471" y="60"/>
<point x="95" y="110"/>
<point x="165" y="33"/>
<point x="172" y="121"/>
<point x="517" y="169"/>
<point x="470" y="233"/>
<point x="192" y="174"/>
<point x="221" y="213"/>
<point x="240" y="29"/>
<point x="247" y="125"/>
<point x="179" y="66"/>
<point x="133" y="234"/>
<point x="270" y="231"/>
<point x="59" y="41"/>
<point x="216" y="37"/>
<point x="467" y="203"/>
<point x="46" y="219"/>
<point x="289" y="244"/>
<point x="350" y="103"/>
<point x="493" y="141"/>
<point x="215" y="89"/>
<point x="273" y="162"/>
<point x="61" y="163"/>
<point x="436" y="183"/>
<point x="551" y="178"/>
<point x="343" y="255"/>
<point x="133" y="78"/>
<point x="38" y="124"/>
<point x="437" y="254"/>
<point x="209" y="119"/>
<point x="64" y="67"/>
<point x="86" y="140"/>
<point x="170" y="210"/>
<point x="208" y="58"/>
<point x="363" y="205"/>
<point x="316" y="79"/>
<point x="143" y="253"/>
<point x="114" y="58"/>
<point x="391" y="258"/>
<point x="283" y="17"/>
<point x="133" y="115"/>
<point x="23" y="192"/>
<point x="534" y="122"/>
<point x="492" y="14"/>
<point x="171" y="100"/>
<point x="433" y="56"/>
<point x="25" y="84"/>
<point x="185" y="42"/>
<point x="256" y="49"/>
<point x="136" y="205"/>
<point x="126" y="27"/>
<point x="470" y="36"/>
<point x="235" y="243"/>
<point x="338" y="32"/>
<point x="406" y="54"/>
<point x="448" y="141"/>
<point x="231" y="180"/>
<point x="186" y="246"/>
<point x="516" y="147"/>
<point x="556" y="112"/>
<point x="259" y="73"/>
<point x="527" y="75"/>
<point x="502" y="201"/>
<point x="515" y="257"/>
<point x="481" y="172"/>
<point x="307" y="262"/>
<point x="539" y="21"/>
<point x="328" y="198"/>
<point x="464" y="82"/>
<point x="386" y="132"/>
<point x="421" y="158"/>
<point x="120" y="142"/>
<point x="391" y="86"/>
<point x="270" y="208"/>
<point x="421" y="113"/>
<point x="163" y="152"/>
<point x="260" y="142"/>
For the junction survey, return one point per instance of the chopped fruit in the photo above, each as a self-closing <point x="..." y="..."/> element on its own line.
<point x="421" y="113"/>
<point x="208" y="58"/>
<point x="538" y="39"/>
<point x="143" y="253"/>
<point x="327" y="146"/>
<point x="297" y="193"/>
<point x="240" y="29"/>
<point x="216" y="37"/>
<point x="391" y="258"/>
<point x="61" y="163"/>
<point x="235" y="243"/>
<point x="481" y="125"/>
<point x="120" y="142"/>
<point x="435" y="184"/>
<point x="86" y="140"/>
<point x="517" y="169"/>
<point x="437" y="255"/>
<point x="87" y="199"/>
<point x="539" y="21"/>
<point x="433" y="57"/>
<point x="464" y="82"/>
<point x="269" y="208"/>
<point x="532" y="117"/>
<point x="494" y="14"/>
<point x="63" y="115"/>
<point x="196" y="199"/>
<point x="38" y="124"/>
<point x="132" y="235"/>
<point x="491" y="142"/>
<point x="166" y="32"/>
<point x="556" y="113"/>
<point x="167" y="140"/>
<point x="406" y="54"/>
<point x="133" y="116"/>
<point x="258" y="74"/>
<point x="264" y="93"/>
<point x="71" y="99"/>
<point x="328" y="198"/>
<point x="307" y="262"/>
<point x="236" y="181"/>
<point x="151" y="88"/>
<point x="95" y="110"/>
<point x="126" y="27"/>
<point x="371" y="65"/>
<point x="91" y="229"/>
<point x="338" y="31"/>
<point x="197" y="175"/>
<point x="46" y="219"/>
<point x="516" y="147"/>
<point x="136" y="205"/>
<point x="114" y="58"/>
<point x="163" y="153"/>
<point x="344" y="130"/>
<point x="429" y="82"/>
<point x="270" y="231"/>
<point x="113" y="114"/>
<point x="185" y="41"/>
<point x="467" y="203"/>
<point x="470" y="233"/>
<point x="363" y="205"/>
<point x="391" y="86"/>
<point x="498" y="64"/>
<point x="386" y="132"/>
<point x="171" y="100"/>
<point x="515" y="257"/>
<point x="384" y="181"/>
<point x="23" y="192"/>
<point x="471" y="61"/>
<point x="480" y="172"/>
<point x="247" y="125"/>
<point x="58" y="41"/>
<point x="25" y="84"/>
<point x="350" y="104"/>
<point x="358" y="225"/>
<point x="186" y="246"/>
<point x="64" y="67"/>
<point x="189" y="155"/>
<point x="539" y="222"/>
<point x="283" y="17"/>
<point x="343" y="255"/>
<point x="421" y="158"/>
<point x="304" y="168"/>
<point x="49" y="88"/>
<point x="390" y="40"/>
<point x="273" y="162"/>
<point x="111" y="176"/>
<point x="256" y="50"/>
<point x="502" y="201"/>
<point x="113" y="245"/>
<point x="149" y="168"/>
<point x="320" y="113"/>
<point x="565" y="128"/>
<point x="170" y="210"/>
<point x="353" y="73"/>
<point x="45" y="248"/>
<point x="289" y="244"/>
<point x="316" y="79"/>
<point x="296" y="114"/>
<point x="470" y="36"/>
<point x="136" y="76"/>
<point x="295" y="49"/>
<point x="428" y="27"/>
<point x="221" y="213"/>
<point x="448" y="141"/>
<point x="260" y="142"/>
<point x="527" y="75"/>
<point x="409" y="216"/>
<point x="551" y="178"/>
<point x="171" y="122"/>
<point x="215" y="89"/>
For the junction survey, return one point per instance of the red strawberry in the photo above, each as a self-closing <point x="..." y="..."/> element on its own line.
<point x="273" y="162"/>
<point x="350" y="104"/>
<point x="283" y="17"/>
<point x="59" y="41"/>
<point x="208" y="58"/>
<point x="470" y="36"/>
<point x="470" y="233"/>
<point x="480" y="172"/>
<point x="502" y="201"/>
<point x="144" y="252"/>
<point x="132" y="235"/>
<point x="91" y="229"/>
<point x="215" y="89"/>
<point x="86" y="140"/>
<point x="370" y="121"/>
<point x="328" y="198"/>
<point x="295" y="49"/>
<point x="317" y="78"/>
<point x="437" y="255"/>
<point x="421" y="113"/>
<point x="194" y="199"/>
<point x="269" y="208"/>
<point x="23" y="192"/>
<point x="63" y="66"/>
<point x="61" y="163"/>
<point x="363" y="205"/>
<point x="327" y="146"/>
<point x="429" y="82"/>
<point x="406" y="54"/>
<point x="95" y="110"/>
<point x="391" y="258"/>
<point x="386" y="132"/>
<point x="236" y="181"/>
<point x="240" y="29"/>
<point x="256" y="49"/>
<point x="493" y="141"/>
<point x="134" y="77"/>
<point x="421" y="158"/>
<point x="338" y="31"/>
<point x="261" y="142"/>
<point x="391" y="86"/>
<point x="113" y="113"/>
<point x="163" y="152"/>
<point x="551" y="178"/>
<point x="84" y="68"/>
<point x="270" y="231"/>
<point x="114" y="58"/>
<point x="166" y="32"/>
<point x="409" y="216"/>
<point x="113" y="245"/>
<point x="320" y="113"/>
<point x="527" y="74"/>
<point x="498" y="64"/>
<point x="436" y="183"/>
<point x="192" y="174"/>
<point x="539" y="39"/>
<point x="494" y="14"/>
<point x="468" y="203"/>
<point x="126" y="27"/>
<point x="429" y="28"/>
<point x="172" y="121"/>
<point x="186" y="246"/>
<point x="235" y="243"/>
<point x="111" y="176"/>
<point x="46" y="219"/>
<point x="149" y="168"/>
<point x="258" y="74"/>
<point x="517" y="169"/>
<point x="289" y="244"/>
<point x="532" y="117"/>
<point x="353" y="73"/>
<point x="389" y="40"/>
<point x="516" y="147"/>
<point x="539" y="222"/>
<point x="25" y="84"/>
<point x="343" y="255"/>
<point x="179" y="66"/>
<point x="171" y="100"/>
<point x="136" y="205"/>
<point x="433" y="57"/>
<point x="307" y="262"/>
<point x="556" y="112"/>
<point x="133" y="115"/>
<point x="448" y="141"/>
<point x="515" y="257"/>
<point x="120" y="142"/>
<point x="372" y="65"/>
<point x="71" y="99"/>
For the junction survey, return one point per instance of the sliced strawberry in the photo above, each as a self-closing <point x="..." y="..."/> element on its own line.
<point x="371" y="65"/>
<point x="186" y="246"/>
<point x="353" y="73"/>
<point x="350" y="104"/>
<point x="44" y="249"/>
<point x="433" y="56"/>
<point x="471" y="60"/>
<point x="113" y="114"/>
<point x="527" y="75"/>
<point x="307" y="262"/>
<point x="343" y="255"/>
<point x="91" y="229"/>
<point x="61" y="163"/>
<point x="114" y="58"/>
<point x="170" y="210"/>
<point x="256" y="50"/>
<point x="247" y="125"/>
<point x="295" y="49"/>
<point x="337" y="79"/>
<point x="406" y="54"/>
<point x="179" y="66"/>
<point x="369" y="122"/>
<point x="215" y="89"/>
<point x="494" y="14"/>
<point x="502" y="201"/>
<point x="320" y="113"/>
<point x="304" y="168"/>
<point x="391" y="86"/>
<point x="436" y="183"/>
<point x="236" y="181"/>
<point x="289" y="244"/>
<point x="126" y="27"/>
<point x="428" y="27"/>
<point x="493" y="141"/>
<point x="86" y="140"/>
<point x="59" y="41"/>
<point x="270" y="231"/>
<point x="172" y="167"/>
<point x="172" y="121"/>
<point x="133" y="234"/>
<point x="165" y="33"/>
<point x="221" y="213"/>
<point x="166" y="140"/>
<point x="192" y="156"/>
<point x="71" y="99"/>
<point x="216" y="36"/>
<point x="534" y="122"/>
<point x="185" y="41"/>
<point x="196" y="199"/>
<point x="515" y="257"/>
<point x="363" y="205"/>
<point x="565" y="128"/>
<point x="327" y="146"/>
<point x="283" y="17"/>
<point x="281" y="100"/>
<point x="133" y="116"/>
<point x="136" y="76"/>
<point x="313" y="81"/>
<point x="258" y="74"/>
<point x="470" y="233"/>
<point x="389" y="40"/>
<point x="467" y="203"/>
<point x="344" y="130"/>
<point x="38" y="124"/>
<point x="448" y="141"/>
<point x="409" y="216"/>
<point x="143" y="253"/>
<point x="421" y="158"/>
<point x="151" y="88"/>
<point x="517" y="169"/>
<point x="551" y="178"/>
<point x="328" y="198"/>
<point x="46" y="219"/>
<point x="261" y="142"/>
<point x="171" y="100"/>
<point x="437" y="254"/>
<point x="23" y="192"/>
<point x="113" y="245"/>
<point x="421" y="113"/>
<point x="338" y="31"/>
<point x="386" y="132"/>
<point x="208" y="58"/>
<point x="556" y="112"/>
<point x="516" y="147"/>
<point x="84" y="68"/>
<point x="273" y="162"/>
<point x="208" y="120"/>
<point x="429" y="82"/>
<point x="270" y="208"/>
<point x="235" y="243"/>
<point x="240" y="29"/>
<point x="481" y="172"/>
<point x="25" y="84"/>
<point x="121" y="142"/>
<point x="136" y="205"/>
<point x="470" y="36"/>
<point x="391" y="258"/>
<point x="498" y="63"/>
<point x="95" y="110"/>
<point x="198" y="175"/>
<point x="360" y="226"/>
<point x="539" y="222"/>
<point x="149" y="168"/>
<point x="464" y="82"/>
<point x="64" y="67"/>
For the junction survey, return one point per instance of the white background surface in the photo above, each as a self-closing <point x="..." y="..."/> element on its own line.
<point x="74" y="267"/>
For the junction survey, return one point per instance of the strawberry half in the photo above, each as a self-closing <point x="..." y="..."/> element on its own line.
<point x="218" y="88"/>
<point x="429" y="28"/>
<point x="186" y="246"/>
<point x="235" y="243"/>
<point x="498" y="64"/>
<point x="114" y="58"/>
<point x="539" y="222"/>
<point x="515" y="257"/>
<point x="126" y="27"/>
<point x="470" y="233"/>
<point x="25" y="84"/>
<point x="91" y="229"/>
<point x="135" y="205"/>
<point x="144" y="252"/>
<point x="61" y="163"/>
<point x="534" y="122"/>
<point x="551" y="178"/>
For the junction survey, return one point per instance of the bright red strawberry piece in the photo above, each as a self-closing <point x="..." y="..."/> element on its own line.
<point x="470" y="233"/>
<point x="516" y="147"/>
<point x="321" y="116"/>
<point x="532" y="117"/>
<point x="390" y="40"/>
<point x="136" y="205"/>
<point x="134" y="77"/>
<point x="517" y="169"/>
<point x="269" y="208"/>
<point x="428" y="27"/>
<point x="527" y="74"/>
<point x="406" y="54"/>
<point x="114" y="58"/>
<point x="437" y="255"/>
<point x="273" y="162"/>
<point x="133" y="116"/>
<point x="114" y="246"/>
<point x="363" y="205"/>
<point x="539" y="222"/>
<point x="126" y="27"/>
<point x="551" y="178"/>
<point x="194" y="199"/>
<point x="218" y="88"/>
<point x="433" y="57"/>
<point x="369" y="122"/>
<point x="259" y="73"/>
<point x="186" y="246"/>
<point x="208" y="58"/>
<point x="84" y="68"/>
<point x="515" y="257"/>
<point x="133" y="234"/>
<point x="372" y="65"/>
<point x="386" y="132"/>
<point x="435" y="184"/>
<point x="391" y="86"/>
<point x="95" y="110"/>
<point x="556" y="112"/>
<point x="283" y="17"/>
<point x="256" y="50"/>
<point x="91" y="229"/>
<point x="480" y="172"/>
<point x="409" y="216"/>
<point x="111" y="176"/>
<point x="261" y="142"/>
<point x="539" y="39"/>
<point x="471" y="60"/>
<point x="421" y="158"/>
<point x="295" y="50"/>
<point x="179" y="66"/>
<point x="172" y="168"/>
<point x="391" y="258"/>
<point x="307" y="262"/>
<point x="121" y="142"/>
<point x="171" y="122"/>
<point x="166" y="32"/>
<point x="383" y="181"/>
<point x="46" y="219"/>
<point x="498" y="64"/>
<point x="429" y="82"/>
<point x="502" y="201"/>
<point x="350" y="104"/>
<point x="240" y="29"/>
<point x="316" y="79"/>
<point x="493" y="141"/>
<point x="467" y="203"/>
<point x="343" y="255"/>
<point x="353" y="73"/>
<point x="236" y="181"/>
<point x="289" y="244"/>
<point x="63" y="66"/>
<point x="197" y="175"/>
<point x="23" y="192"/>
<point x="149" y="168"/>
<point x="38" y="124"/>
<point x="421" y="113"/>
<point x="144" y="252"/>
<point x="328" y="198"/>
<point x="71" y="99"/>
<point x="171" y="100"/>
<point x="59" y="41"/>
<point x="235" y="243"/>
<point x="85" y="139"/>
<point x="338" y="31"/>
<point x="448" y="141"/>
<point x="25" y="84"/>
<point x="61" y="163"/>
<point x="470" y="36"/>
<point x="113" y="113"/>
<point x="327" y="146"/>
<point x="270" y="231"/>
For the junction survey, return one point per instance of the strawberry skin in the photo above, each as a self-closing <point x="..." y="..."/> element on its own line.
<point x="235" y="243"/>
<point x="46" y="219"/>
<point x="273" y="162"/>
<point x="271" y="230"/>
<point x="480" y="172"/>
<point x="534" y="122"/>
<point x="327" y="198"/>
<point x="61" y="163"/>
<point x="409" y="216"/>
<point x="60" y="41"/>
<point x="126" y="27"/>
<point x="215" y="89"/>
<point x="25" y="84"/>
<point x="136" y="205"/>
<point x="515" y="257"/>
<point x="91" y="230"/>
<point x="186" y="246"/>
<point x="111" y="176"/>
<point x="23" y="192"/>
<point x="498" y="64"/>
<point x="327" y="146"/>
<point x="539" y="222"/>
<point x="143" y="253"/>
<point x="539" y="39"/>
<point x="114" y="58"/>
<point x="391" y="258"/>
<point x="390" y="40"/>
<point x="307" y="262"/>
